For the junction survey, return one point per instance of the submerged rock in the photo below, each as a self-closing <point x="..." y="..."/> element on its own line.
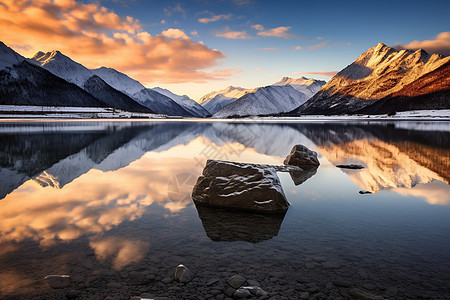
<point x="236" y="281"/>
<point x="302" y="157"/>
<point x="351" y="166"/>
<point x="227" y="225"/>
<point x="183" y="274"/>
<point x="58" y="281"/>
<point x="240" y="186"/>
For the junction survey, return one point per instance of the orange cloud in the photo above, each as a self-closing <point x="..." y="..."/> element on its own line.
<point x="281" y="32"/>
<point x="317" y="46"/>
<point x="235" y="35"/>
<point x="268" y="49"/>
<point x="324" y="73"/>
<point x="95" y="36"/>
<point x="214" y="18"/>
<point x="441" y="44"/>
<point x="173" y="33"/>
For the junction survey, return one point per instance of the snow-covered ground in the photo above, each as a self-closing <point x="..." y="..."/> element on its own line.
<point x="55" y="112"/>
<point x="68" y="112"/>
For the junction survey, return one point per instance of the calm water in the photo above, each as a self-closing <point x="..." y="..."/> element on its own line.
<point x="108" y="203"/>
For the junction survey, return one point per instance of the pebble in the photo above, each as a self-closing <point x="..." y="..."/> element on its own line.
<point x="304" y="295"/>
<point x="236" y="281"/>
<point x="183" y="274"/>
<point x="241" y="293"/>
<point x="363" y="295"/>
<point x="212" y="281"/>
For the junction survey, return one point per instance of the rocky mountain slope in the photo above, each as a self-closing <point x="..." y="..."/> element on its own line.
<point x="378" y="73"/>
<point x="187" y="103"/>
<point x="23" y="83"/>
<point x="215" y="101"/>
<point x="64" y="67"/>
<point x="280" y="97"/>
<point x="150" y="98"/>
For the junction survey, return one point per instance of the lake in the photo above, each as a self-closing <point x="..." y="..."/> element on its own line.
<point x="108" y="203"/>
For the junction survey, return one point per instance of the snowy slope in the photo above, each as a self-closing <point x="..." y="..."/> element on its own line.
<point x="215" y="101"/>
<point x="265" y="100"/>
<point x="160" y="103"/>
<point x="118" y="80"/>
<point x="307" y="86"/>
<point x="187" y="103"/>
<point x="8" y="57"/>
<point x="64" y="67"/>
<point x="152" y="99"/>
<point x="19" y="79"/>
<point x="379" y="72"/>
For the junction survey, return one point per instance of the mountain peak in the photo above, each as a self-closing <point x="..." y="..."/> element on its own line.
<point x="8" y="57"/>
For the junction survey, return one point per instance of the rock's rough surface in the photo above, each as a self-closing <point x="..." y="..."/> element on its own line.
<point x="302" y="157"/>
<point x="236" y="281"/>
<point x="240" y="186"/>
<point x="58" y="281"/>
<point x="183" y="274"/>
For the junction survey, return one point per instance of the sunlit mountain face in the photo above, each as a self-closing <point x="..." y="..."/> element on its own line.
<point x="94" y="199"/>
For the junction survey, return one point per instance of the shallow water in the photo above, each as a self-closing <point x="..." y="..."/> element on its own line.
<point x="108" y="203"/>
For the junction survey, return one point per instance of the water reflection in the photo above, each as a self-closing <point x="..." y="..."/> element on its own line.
<point x="228" y="226"/>
<point x="80" y="184"/>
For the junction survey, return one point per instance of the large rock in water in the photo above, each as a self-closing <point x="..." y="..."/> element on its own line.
<point x="240" y="186"/>
<point x="302" y="157"/>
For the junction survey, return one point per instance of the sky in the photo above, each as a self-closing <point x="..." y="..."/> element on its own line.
<point x="195" y="47"/>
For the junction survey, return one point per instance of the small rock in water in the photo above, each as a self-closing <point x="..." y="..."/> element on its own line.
<point x="302" y="157"/>
<point x="351" y="166"/>
<point x="365" y="192"/>
<point x="236" y="281"/>
<point x="183" y="274"/>
<point x="241" y="293"/>
<point x="58" y="281"/>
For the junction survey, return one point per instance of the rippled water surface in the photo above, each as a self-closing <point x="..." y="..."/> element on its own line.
<point x="108" y="203"/>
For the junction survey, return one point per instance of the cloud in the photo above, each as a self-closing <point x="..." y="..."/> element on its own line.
<point x="440" y="44"/>
<point x="235" y="35"/>
<point x="258" y="69"/>
<point x="281" y="32"/>
<point x="174" y="33"/>
<point x="243" y="2"/>
<point x="195" y="33"/>
<point x="214" y="18"/>
<point x="95" y="36"/>
<point x="324" y="73"/>
<point x="268" y="49"/>
<point x="317" y="46"/>
<point x="177" y="9"/>
<point x="298" y="48"/>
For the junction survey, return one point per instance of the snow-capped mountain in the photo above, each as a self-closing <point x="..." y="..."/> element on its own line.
<point x="118" y="80"/>
<point x="23" y="83"/>
<point x="150" y="98"/>
<point x="187" y="103"/>
<point x="265" y="100"/>
<point x="280" y="97"/>
<point x="378" y="73"/>
<point x="307" y="86"/>
<point x="8" y="57"/>
<point x="64" y="67"/>
<point x="215" y="101"/>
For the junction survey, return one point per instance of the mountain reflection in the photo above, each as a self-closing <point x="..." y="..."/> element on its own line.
<point x="62" y="181"/>
<point x="393" y="158"/>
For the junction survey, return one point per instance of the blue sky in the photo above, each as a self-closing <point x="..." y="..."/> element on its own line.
<point x="258" y="42"/>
